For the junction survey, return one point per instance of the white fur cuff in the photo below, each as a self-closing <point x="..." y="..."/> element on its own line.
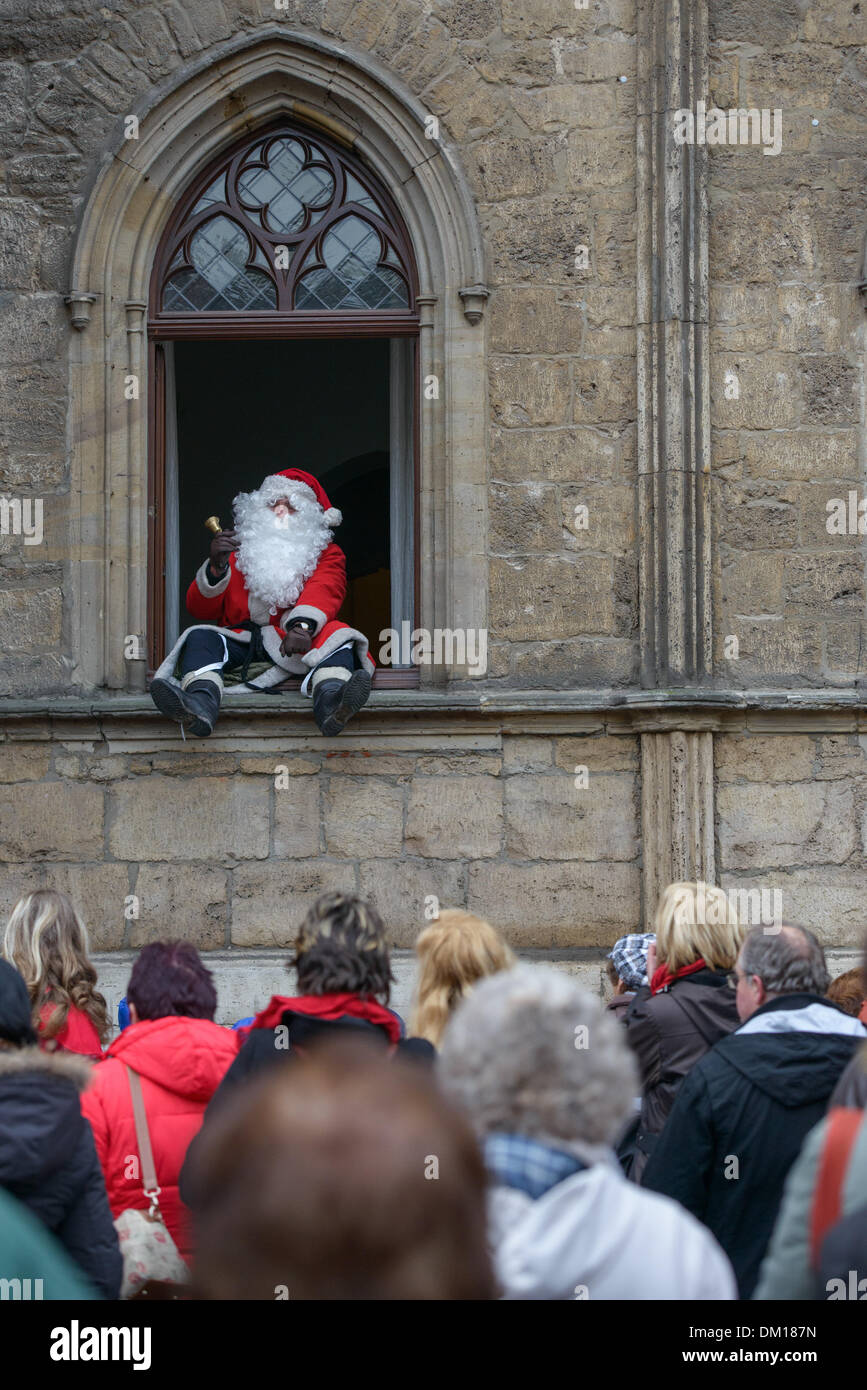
<point x="305" y="610"/>
<point x="205" y="587"/>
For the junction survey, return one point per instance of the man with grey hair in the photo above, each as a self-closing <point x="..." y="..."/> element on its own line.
<point x="545" y="1075"/>
<point x="744" y="1111"/>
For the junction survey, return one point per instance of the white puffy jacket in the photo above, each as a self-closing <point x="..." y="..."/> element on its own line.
<point x="596" y="1236"/>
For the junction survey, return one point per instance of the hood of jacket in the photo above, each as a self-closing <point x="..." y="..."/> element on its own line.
<point x="40" y="1114"/>
<point x="794" y="1048"/>
<point x="188" y="1056"/>
<point x="590" y="1231"/>
<point x="707" y="1001"/>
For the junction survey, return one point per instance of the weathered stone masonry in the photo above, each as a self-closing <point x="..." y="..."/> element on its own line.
<point x="606" y="387"/>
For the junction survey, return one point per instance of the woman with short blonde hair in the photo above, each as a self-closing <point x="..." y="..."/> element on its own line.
<point x="696" y="921"/>
<point x="454" y="953"/>
<point x="686" y="1005"/>
<point x="47" y="942"/>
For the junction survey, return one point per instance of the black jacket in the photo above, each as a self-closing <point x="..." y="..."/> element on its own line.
<point x="48" y="1159"/>
<point x="265" y="1048"/>
<point x="669" y="1032"/>
<point x="741" y="1117"/>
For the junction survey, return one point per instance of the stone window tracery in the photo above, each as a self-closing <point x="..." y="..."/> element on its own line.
<point x="286" y="223"/>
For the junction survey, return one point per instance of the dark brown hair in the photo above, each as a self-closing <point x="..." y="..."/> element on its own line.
<point x="345" y="1176"/>
<point x="168" y="978"/>
<point x="341" y="949"/>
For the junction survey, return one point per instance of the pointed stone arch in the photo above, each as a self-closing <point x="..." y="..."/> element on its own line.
<point x="181" y="127"/>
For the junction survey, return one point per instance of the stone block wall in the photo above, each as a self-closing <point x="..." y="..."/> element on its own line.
<point x="537" y="101"/>
<point x="485" y="812"/>
<point x="792" y="817"/>
<point x="227" y="844"/>
<point x="559" y="177"/>
<point x="787" y="335"/>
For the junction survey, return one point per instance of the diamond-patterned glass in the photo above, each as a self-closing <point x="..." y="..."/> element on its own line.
<point x="352" y="277"/>
<point x="285" y="188"/>
<point x="357" y="193"/>
<point x="214" y="193"/>
<point x="220" y="278"/>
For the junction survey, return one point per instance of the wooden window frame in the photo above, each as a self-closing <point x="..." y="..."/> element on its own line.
<point x="264" y="325"/>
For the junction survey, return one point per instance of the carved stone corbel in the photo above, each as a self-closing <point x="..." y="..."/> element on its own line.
<point x="79" y="304"/>
<point x="474" y="297"/>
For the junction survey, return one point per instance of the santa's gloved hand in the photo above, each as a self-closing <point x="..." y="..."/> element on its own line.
<point x="221" y="548"/>
<point x="296" y="642"/>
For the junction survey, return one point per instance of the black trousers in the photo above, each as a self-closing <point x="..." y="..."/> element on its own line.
<point x="205" y="647"/>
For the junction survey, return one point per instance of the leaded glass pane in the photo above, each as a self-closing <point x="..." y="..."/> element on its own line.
<point x="352" y="277"/>
<point x="215" y="193"/>
<point x="285" y="188"/>
<point x="220" y="278"/>
<point x="277" y="190"/>
<point x="357" y="193"/>
<point x="188" y="292"/>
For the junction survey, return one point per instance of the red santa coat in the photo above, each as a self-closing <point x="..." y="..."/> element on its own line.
<point x="229" y="603"/>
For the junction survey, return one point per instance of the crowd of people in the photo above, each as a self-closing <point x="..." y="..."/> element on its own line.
<point x="700" y="1135"/>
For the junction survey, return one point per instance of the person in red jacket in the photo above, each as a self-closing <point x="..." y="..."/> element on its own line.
<point x="46" y="941"/>
<point x="270" y="590"/>
<point x="181" y="1056"/>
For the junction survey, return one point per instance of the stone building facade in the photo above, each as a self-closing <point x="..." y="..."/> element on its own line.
<point x="650" y="358"/>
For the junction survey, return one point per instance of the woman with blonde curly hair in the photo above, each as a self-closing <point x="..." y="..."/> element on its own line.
<point x="454" y="952"/>
<point x="47" y="943"/>
<point x="686" y="1006"/>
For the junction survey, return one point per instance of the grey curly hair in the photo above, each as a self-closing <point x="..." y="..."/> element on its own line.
<point x="529" y="1052"/>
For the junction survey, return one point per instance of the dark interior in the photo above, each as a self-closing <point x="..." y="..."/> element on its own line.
<point x="247" y="409"/>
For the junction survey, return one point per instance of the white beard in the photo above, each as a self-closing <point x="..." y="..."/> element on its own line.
<point x="278" y="555"/>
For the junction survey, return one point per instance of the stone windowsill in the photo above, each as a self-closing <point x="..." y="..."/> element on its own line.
<point x="467" y="701"/>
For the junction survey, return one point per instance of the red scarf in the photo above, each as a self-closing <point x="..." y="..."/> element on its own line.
<point x="78" y="1034"/>
<point x="662" y="977"/>
<point x="325" y="1006"/>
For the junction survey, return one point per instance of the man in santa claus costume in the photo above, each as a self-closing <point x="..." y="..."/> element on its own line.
<point x="269" y="591"/>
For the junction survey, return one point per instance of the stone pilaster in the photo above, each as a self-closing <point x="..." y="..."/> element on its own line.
<point x="673" y="439"/>
<point x="677" y="810"/>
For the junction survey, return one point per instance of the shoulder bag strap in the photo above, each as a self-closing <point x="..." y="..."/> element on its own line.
<point x="143" y="1138"/>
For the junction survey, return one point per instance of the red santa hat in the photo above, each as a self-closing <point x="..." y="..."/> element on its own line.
<point x="272" y="489"/>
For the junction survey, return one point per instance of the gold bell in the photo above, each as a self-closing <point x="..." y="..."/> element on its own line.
<point x="213" y="524"/>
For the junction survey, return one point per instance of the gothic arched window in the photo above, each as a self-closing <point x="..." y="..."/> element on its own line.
<point x="283" y="329"/>
<point x="287" y="223"/>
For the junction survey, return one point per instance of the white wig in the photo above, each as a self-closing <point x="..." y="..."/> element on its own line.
<point x="529" y="1052"/>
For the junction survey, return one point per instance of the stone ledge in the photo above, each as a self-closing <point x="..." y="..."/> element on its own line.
<point x="631" y="711"/>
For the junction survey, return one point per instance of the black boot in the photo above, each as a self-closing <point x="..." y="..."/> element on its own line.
<point x="335" y="701"/>
<point x="203" y="699"/>
<point x="195" y="708"/>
